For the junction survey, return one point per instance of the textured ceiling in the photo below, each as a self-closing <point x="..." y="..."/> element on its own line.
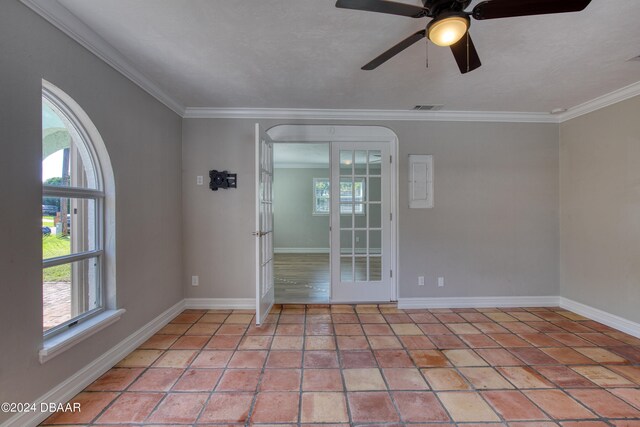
<point x="308" y="54"/>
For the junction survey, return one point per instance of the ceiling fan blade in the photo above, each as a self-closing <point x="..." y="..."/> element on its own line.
<point x="493" y="9"/>
<point x="395" y="50"/>
<point x="466" y="55"/>
<point x="382" y="6"/>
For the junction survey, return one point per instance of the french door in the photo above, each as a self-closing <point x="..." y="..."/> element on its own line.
<point x="265" y="293"/>
<point x="361" y="222"/>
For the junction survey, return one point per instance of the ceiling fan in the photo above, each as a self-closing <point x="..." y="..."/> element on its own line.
<point x="450" y="22"/>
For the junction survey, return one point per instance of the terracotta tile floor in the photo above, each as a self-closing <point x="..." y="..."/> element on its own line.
<point x="367" y="364"/>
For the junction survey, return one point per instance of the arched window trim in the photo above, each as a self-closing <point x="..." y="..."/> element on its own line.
<point x="81" y="128"/>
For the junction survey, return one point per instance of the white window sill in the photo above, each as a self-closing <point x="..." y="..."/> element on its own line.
<point x="64" y="341"/>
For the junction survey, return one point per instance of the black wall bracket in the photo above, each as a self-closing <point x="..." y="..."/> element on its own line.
<point x="222" y="179"/>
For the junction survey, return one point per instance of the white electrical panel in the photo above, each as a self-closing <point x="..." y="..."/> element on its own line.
<point x="420" y="181"/>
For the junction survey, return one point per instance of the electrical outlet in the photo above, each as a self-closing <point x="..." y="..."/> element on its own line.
<point x="357" y="239"/>
<point x="420" y="280"/>
<point x="440" y="282"/>
<point x="199" y="180"/>
<point x="195" y="280"/>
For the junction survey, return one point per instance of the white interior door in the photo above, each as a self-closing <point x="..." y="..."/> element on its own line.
<point x="265" y="294"/>
<point x="360" y="222"/>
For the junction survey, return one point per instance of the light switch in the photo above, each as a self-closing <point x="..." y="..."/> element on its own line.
<point x="199" y="180"/>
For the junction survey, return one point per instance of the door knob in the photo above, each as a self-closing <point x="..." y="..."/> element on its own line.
<point x="258" y="233"/>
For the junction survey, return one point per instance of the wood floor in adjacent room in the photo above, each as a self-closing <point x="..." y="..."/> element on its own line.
<point x="301" y="278"/>
<point x="372" y="365"/>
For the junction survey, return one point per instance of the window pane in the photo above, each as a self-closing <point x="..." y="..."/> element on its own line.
<point x="68" y="226"/>
<point x="68" y="291"/>
<point x="322" y="206"/>
<point x="322" y="193"/>
<point x="66" y="161"/>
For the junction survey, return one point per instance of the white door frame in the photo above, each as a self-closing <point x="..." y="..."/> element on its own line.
<point x="365" y="133"/>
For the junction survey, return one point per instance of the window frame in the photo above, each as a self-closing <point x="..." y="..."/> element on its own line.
<point x="79" y="135"/>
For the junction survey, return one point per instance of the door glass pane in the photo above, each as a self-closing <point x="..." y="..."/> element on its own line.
<point x="360" y="164"/>
<point x="361" y="241"/>
<point x="346" y="162"/>
<point x="345" y="218"/>
<point x="375" y="167"/>
<point x="375" y="215"/>
<point x="346" y="245"/>
<point x="346" y="269"/>
<point x="375" y="242"/>
<point x="360" y="218"/>
<point x="69" y="290"/>
<point x="352" y="190"/>
<point x="361" y="269"/>
<point x="375" y="268"/>
<point x="375" y="189"/>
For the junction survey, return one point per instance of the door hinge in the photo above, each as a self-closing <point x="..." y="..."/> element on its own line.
<point x="391" y="273"/>
<point x="390" y="217"/>
<point x="390" y="159"/>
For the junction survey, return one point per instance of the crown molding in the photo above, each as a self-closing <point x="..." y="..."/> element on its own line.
<point x="603" y="101"/>
<point x="69" y="24"/>
<point x="367" y="115"/>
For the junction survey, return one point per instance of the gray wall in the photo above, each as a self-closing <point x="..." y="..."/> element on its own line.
<point x="600" y="209"/>
<point x="143" y="140"/>
<point x="295" y="226"/>
<point x="493" y="231"/>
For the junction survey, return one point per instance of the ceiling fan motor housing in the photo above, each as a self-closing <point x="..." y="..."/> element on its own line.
<point x="436" y="7"/>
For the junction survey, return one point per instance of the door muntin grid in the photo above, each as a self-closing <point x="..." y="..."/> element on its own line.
<point x="266" y="218"/>
<point x="360" y="205"/>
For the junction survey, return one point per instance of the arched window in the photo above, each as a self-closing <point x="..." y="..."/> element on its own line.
<point x="73" y="214"/>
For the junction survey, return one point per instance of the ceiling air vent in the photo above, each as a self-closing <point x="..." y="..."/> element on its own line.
<point x="434" y="107"/>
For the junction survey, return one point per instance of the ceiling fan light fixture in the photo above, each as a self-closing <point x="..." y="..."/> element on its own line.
<point x="448" y="30"/>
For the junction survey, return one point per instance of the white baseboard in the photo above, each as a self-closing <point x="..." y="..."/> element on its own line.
<point x="220" y="303"/>
<point x="73" y="385"/>
<point x="478" y="302"/>
<point x="612" y="320"/>
<point x="301" y="250"/>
